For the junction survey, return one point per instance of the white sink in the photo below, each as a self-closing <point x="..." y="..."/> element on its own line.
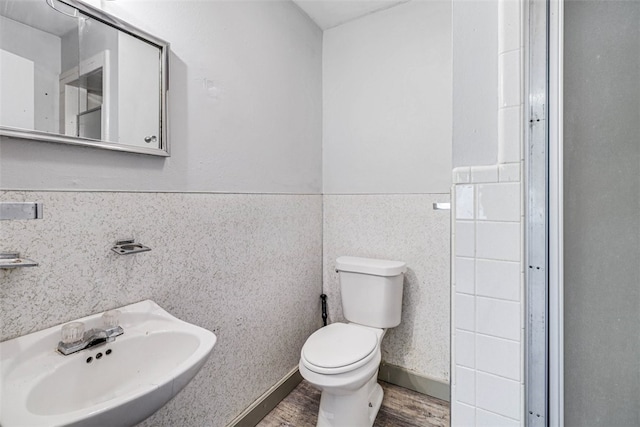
<point x="146" y="366"/>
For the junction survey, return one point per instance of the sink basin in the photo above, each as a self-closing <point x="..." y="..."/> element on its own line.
<point x="115" y="384"/>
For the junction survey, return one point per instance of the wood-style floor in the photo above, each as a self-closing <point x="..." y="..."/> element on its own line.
<point x="400" y="408"/>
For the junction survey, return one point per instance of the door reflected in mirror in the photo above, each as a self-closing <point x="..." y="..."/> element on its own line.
<point x="84" y="99"/>
<point x="66" y="75"/>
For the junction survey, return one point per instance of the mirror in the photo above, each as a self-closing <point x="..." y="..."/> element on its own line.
<point x="71" y="73"/>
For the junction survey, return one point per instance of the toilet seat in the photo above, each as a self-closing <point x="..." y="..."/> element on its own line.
<point x="339" y="348"/>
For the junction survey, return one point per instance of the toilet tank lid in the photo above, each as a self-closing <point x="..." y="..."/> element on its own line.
<point x="377" y="267"/>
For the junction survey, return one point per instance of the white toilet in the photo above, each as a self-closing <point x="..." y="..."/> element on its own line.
<point x="342" y="359"/>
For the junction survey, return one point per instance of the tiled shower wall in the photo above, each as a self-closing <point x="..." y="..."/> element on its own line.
<point x="244" y="266"/>
<point x="487" y="294"/>
<point x="488" y="276"/>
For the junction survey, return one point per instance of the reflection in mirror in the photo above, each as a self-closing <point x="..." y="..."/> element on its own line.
<point x="70" y="73"/>
<point x="31" y="46"/>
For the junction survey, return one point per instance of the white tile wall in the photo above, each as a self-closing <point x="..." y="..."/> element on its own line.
<point x="509" y="75"/>
<point x="484" y="174"/>
<point x="461" y="175"/>
<point x="466" y="385"/>
<point x="488" y="312"/>
<point x="498" y="395"/>
<point x="465" y="239"/>
<point x="509" y="172"/>
<point x="487" y="329"/>
<point x="465" y="415"/>
<point x="498" y="318"/>
<point x="509" y="30"/>
<point x="465" y="275"/>
<point x="498" y="356"/>
<point x="465" y="348"/>
<point x="498" y="202"/>
<point x="509" y="138"/>
<point x="497" y="279"/>
<point x="496" y="240"/>
<point x="465" y="205"/>
<point x="465" y="312"/>
<point x="488" y="419"/>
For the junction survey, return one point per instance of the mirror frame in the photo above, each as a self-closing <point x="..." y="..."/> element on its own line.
<point x="120" y="25"/>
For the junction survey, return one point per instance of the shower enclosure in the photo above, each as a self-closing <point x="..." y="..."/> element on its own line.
<point x="592" y="200"/>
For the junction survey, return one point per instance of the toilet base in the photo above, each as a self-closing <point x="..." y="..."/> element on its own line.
<point x="356" y="409"/>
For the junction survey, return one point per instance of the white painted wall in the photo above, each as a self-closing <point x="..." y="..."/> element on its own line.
<point x="245" y="108"/>
<point x="387" y="102"/>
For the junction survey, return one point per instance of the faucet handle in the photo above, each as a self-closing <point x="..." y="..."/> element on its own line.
<point x="72" y="332"/>
<point x="111" y="319"/>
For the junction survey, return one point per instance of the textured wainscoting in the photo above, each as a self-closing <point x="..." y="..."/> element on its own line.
<point x="244" y="266"/>
<point x="406" y="228"/>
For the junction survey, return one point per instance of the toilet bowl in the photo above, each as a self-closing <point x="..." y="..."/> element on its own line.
<point x="342" y="359"/>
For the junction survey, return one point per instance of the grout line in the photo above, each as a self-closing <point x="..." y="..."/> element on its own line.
<point x="499" y="376"/>
<point x="498" y="338"/>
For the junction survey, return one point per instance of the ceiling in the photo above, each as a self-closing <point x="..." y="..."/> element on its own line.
<point x="331" y="13"/>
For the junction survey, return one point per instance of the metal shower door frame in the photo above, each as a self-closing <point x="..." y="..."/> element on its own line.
<point x="556" y="214"/>
<point x="544" y="215"/>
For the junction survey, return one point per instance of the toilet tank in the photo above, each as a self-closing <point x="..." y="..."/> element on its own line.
<point x="371" y="290"/>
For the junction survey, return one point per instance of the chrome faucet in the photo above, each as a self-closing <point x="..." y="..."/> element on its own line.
<point x="75" y="338"/>
<point x="91" y="338"/>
